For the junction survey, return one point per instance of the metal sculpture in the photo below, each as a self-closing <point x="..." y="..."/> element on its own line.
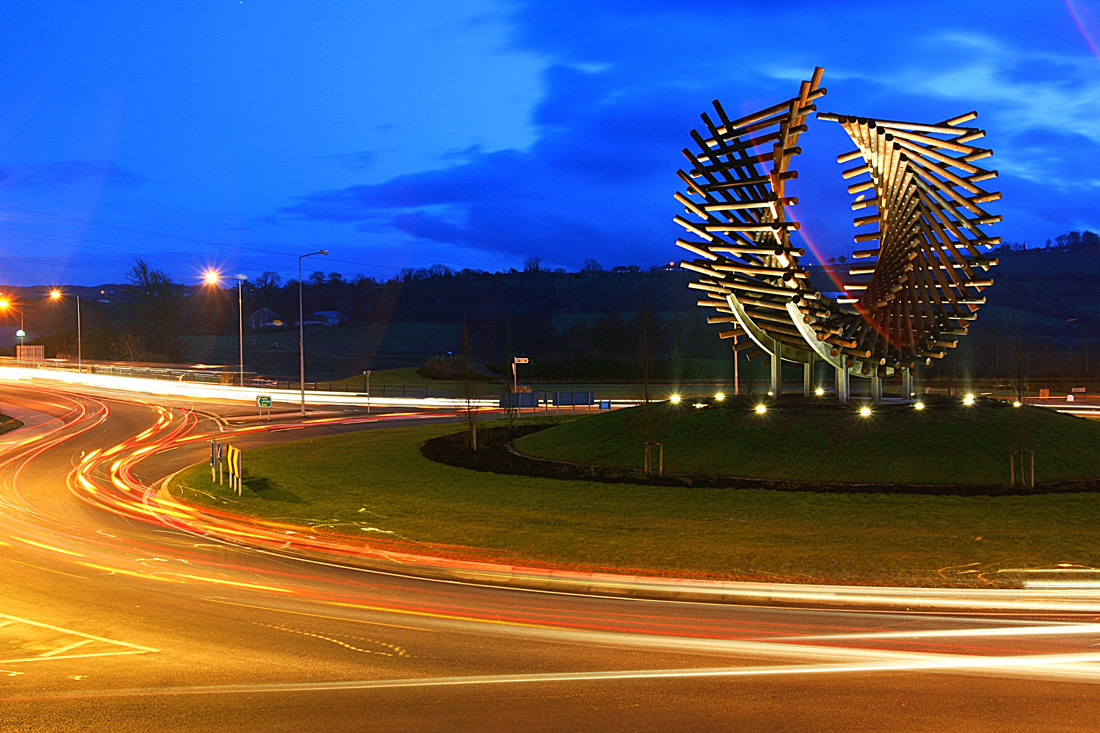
<point x="925" y="270"/>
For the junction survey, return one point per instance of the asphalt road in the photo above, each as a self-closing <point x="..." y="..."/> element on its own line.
<point x="116" y="614"/>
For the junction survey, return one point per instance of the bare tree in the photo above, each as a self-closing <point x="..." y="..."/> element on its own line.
<point x="158" y="305"/>
<point x="127" y="346"/>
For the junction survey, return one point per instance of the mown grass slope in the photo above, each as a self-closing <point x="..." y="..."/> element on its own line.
<point x="946" y="443"/>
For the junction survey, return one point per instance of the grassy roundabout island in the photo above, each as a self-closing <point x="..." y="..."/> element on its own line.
<point x="945" y="443"/>
<point x="379" y="484"/>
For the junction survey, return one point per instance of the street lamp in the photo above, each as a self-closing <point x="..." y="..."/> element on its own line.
<point x="56" y="294"/>
<point x="301" y="329"/>
<point x="5" y="304"/>
<point x="213" y="277"/>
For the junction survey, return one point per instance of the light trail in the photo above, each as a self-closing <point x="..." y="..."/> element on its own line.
<point x="107" y="478"/>
<point x="1076" y="666"/>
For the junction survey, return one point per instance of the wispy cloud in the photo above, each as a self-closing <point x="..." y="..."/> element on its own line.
<point x="67" y="173"/>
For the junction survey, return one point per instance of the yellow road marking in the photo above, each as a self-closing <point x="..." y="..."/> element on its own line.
<point x="237" y="583"/>
<point x="47" y="547"/>
<point x="320" y="615"/>
<point x="444" y="616"/>
<point x="397" y="651"/>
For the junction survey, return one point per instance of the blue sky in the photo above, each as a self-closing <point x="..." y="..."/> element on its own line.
<point x="477" y="134"/>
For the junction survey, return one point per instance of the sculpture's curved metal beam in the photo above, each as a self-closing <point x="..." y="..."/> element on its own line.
<point x="920" y="220"/>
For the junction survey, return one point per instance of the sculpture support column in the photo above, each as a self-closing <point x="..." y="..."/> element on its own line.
<point x="876" y="388"/>
<point x="777" y="371"/>
<point x="842" y="384"/>
<point x="907" y="384"/>
<point x="808" y="377"/>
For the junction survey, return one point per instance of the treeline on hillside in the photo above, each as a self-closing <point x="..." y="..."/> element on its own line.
<point x="1042" y="315"/>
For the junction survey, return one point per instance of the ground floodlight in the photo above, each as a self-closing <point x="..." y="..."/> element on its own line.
<point x="761" y="409"/>
<point x="719" y="396"/>
<point x="1017" y="403"/>
<point x="968" y="399"/>
<point x="865" y="411"/>
<point x="819" y="391"/>
<point x="674" y="399"/>
<point x="918" y="405"/>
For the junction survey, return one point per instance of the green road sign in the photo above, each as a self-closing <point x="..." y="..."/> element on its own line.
<point x="263" y="401"/>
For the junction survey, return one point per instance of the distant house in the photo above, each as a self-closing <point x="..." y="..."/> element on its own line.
<point x="328" y="318"/>
<point x="264" y="318"/>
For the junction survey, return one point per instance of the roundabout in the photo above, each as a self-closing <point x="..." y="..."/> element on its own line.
<point x="120" y="598"/>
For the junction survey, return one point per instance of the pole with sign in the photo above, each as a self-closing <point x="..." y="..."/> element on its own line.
<point x="233" y="459"/>
<point x="213" y="460"/>
<point x="264" y="401"/>
<point x="366" y="373"/>
<point x="515" y="380"/>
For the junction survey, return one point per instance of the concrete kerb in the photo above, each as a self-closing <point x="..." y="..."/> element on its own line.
<point x="655" y="588"/>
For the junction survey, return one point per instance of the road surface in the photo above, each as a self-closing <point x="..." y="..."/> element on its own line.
<point x="119" y="612"/>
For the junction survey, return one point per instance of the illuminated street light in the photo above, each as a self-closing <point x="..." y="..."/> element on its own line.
<point x="301" y="329"/>
<point x="918" y="405"/>
<point x="865" y="411"/>
<point x="5" y="305"/>
<point x="719" y="396"/>
<point x="56" y="294"/>
<point x="761" y="409"/>
<point x="968" y="400"/>
<point x="213" y="277"/>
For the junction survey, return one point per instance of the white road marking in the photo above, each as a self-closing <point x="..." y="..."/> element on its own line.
<point x="64" y="652"/>
<point x="70" y="656"/>
<point x="66" y="648"/>
<point x="92" y="637"/>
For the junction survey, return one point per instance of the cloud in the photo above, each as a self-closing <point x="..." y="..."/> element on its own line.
<point x="357" y="161"/>
<point x="598" y="181"/>
<point x="629" y="83"/>
<point x="67" y="173"/>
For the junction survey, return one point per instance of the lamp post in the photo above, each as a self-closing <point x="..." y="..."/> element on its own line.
<point x="240" y="322"/>
<point x="57" y="295"/>
<point x="213" y="277"/>
<point x="301" y="329"/>
<point x="5" y="304"/>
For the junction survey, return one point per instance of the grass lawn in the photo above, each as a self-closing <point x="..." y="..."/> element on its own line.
<point x="379" y="480"/>
<point x="7" y="424"/>
<point x="946" y="443"/>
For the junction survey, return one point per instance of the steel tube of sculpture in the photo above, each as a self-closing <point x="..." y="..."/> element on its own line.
<point x="925" y="268"/>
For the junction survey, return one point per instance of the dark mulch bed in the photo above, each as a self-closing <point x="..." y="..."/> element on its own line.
<point x="496" y="454"/>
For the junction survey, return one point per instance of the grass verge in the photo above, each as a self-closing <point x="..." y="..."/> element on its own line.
<point x="946" y="443"/>
<point x="7" y="424"/>
<point x="378" y="482"/>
